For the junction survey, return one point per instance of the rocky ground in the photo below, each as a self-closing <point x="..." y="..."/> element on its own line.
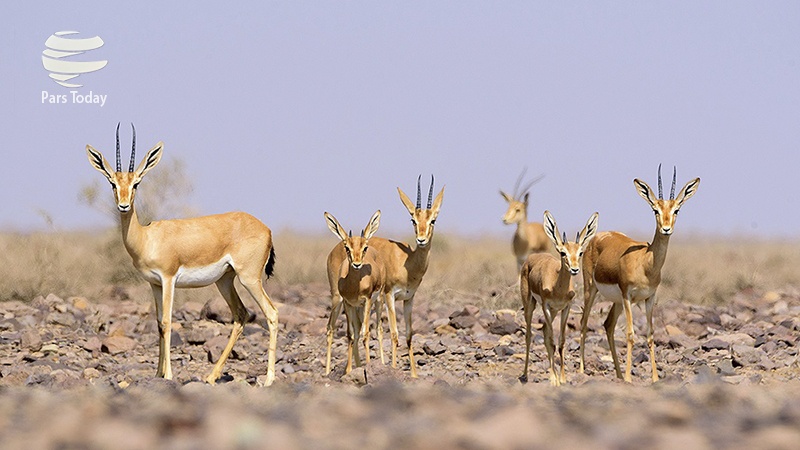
<point x="79" y="374"/>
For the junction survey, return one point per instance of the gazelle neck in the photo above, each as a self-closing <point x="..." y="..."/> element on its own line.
<point x="659" y="249"/>
<point x="132" y="230"/>
<point x="564" y="279"/>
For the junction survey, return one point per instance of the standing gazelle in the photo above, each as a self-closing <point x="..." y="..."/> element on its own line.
<point x="548" y="280"/>
<point x="626" y="271"/>
<point x="530" y="237"/>
<point x="405" y="267"/>
<point x="357" y="279"/>
<point x="193" y="253"/>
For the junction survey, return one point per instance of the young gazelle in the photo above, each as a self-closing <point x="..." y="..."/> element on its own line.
<point x="193" y="253"/>
<point x="405" y="267"/>
<point x="626" y="271"/>
<point x="548" y="280"/>
<point x="530" y="237"/>
<point x="357" y="279"/>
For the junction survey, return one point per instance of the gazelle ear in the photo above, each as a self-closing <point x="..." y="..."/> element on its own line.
<point x="644" y="190"/>
<point x="688" y="191"/>
<point x="373" y="224"/>
<point x="150" y="160"/>
<point x="406" y="202"/>
<point x="437" y="203"/>
<point x="551" y="229"/>
<point x="589" y="230"/>
<point x="508" y="198"/>
<point x="99" y="162"/>
<point x="334" y="226"/>
<point x="525" y="198"/>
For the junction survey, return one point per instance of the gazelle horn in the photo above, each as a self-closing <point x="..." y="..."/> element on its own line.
<point x="133" y="149"/>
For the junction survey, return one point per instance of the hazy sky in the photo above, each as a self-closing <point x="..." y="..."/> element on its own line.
<point x="289" y="109"/>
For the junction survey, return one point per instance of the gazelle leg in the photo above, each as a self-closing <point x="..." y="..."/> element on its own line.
<point x="407" y="306"/>
<point x="610" y="325"/>
<point x="164" y="295"/>
<point x="350" y="314"/>
<point x="528" y="305"/>
<point x="226" y="288"/>
<point x="379" y="325"/>
<point x="336" y="310"/>
<point x="392" y="312"/>
<point x="589" y="294"/>
<point x="562" y="341"/>
<point x="548" y="342"/>
<point x="365" y="326"/>
<point x="649" y="305"/>
<point x="629" y="336"/>
<point x="253" y="285"/>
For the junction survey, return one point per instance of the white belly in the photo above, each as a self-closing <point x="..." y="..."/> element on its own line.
<point x="204" y="275"/>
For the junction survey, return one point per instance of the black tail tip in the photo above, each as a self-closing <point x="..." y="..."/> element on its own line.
<point x="270" y="267"/>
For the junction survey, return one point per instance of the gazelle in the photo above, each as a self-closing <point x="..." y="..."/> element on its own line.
<point x="193" y="253"/>
<point x="548" y="280"/>
<point x="356" y="279"/>
<point x="530" y="237"/>
<point x="405" y="267"/>
<point x="626" y="271"/>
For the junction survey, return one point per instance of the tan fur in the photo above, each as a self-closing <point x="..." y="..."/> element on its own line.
<point x="191" y="253"/>
<point x="405" y="267"/>
<point x="529" y="236"/>
<point x="356" y="279"/>
<point x="549" y="279"/>
<point x="617" y="262"/>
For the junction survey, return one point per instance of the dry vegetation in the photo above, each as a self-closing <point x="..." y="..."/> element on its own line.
<point x="462" y="270"/>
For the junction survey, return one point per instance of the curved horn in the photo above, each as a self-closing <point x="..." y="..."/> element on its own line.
<point x="519" y="180"/>
<point x="119" y="164"/>
<point x="578" y="238"/>
<point x="430" y="194"/>
<point x="674" y="178"/>
<point x="660" y="193"/>
<point x="419" y="193"/>
<point x="531" y="183"/>
<point x="133" y="149"/>
<point x="564" y="238"/>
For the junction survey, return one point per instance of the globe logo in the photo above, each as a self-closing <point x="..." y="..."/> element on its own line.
<point x="55" y="58"/>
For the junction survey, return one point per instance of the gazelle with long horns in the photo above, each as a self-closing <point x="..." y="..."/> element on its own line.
<point x="405" y="267"/>
<point x="625" y="271"/>
<point x="548" y="280"/>
<point x="530" y="237"/>
<point x="193" y="253"/>
<point x="358" y="279"/>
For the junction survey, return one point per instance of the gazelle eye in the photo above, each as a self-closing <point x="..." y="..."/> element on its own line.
<point x="676" y="212"/>
<point x="563" y="254"/>
<point x="136" y="185"/>
<point x="433" y="221"/>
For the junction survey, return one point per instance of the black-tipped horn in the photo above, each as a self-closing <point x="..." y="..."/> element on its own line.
<point x="351" y="233"/>
<point x="564" y="238"/>
<point x="119" y="164"/>
<point x="674" y="179"/>
<point x="578" y="237"/>
<point x="660" y="193"/>
<point x="133" y="149"/>
<point x="362" y="232"/>
<point x="430" y="194"/>
<point x="419" y="193"/>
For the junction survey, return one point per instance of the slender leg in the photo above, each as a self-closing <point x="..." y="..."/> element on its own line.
<point x="589" y="294"/>
<point x="548" y="341"/>
<point x="352" y="351"/>
<point x="407" y="305"/>
<point x="392" y="312"/>
<point x="629" y="335"/>
<point x="378" y="325"/>
<point x="336" y="310"/>
<point x="164" y="325"/>
<point x="649" y="304"/>
<point x="365" y="326"/>
<point x="562" y="341"/>
<point x="254" y="286"/>
<point x="528" y="305"/>
<point x="228" y="291"/>
<point x="610" y="324"/>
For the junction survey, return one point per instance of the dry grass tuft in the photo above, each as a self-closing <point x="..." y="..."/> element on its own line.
<point x="462" y="270"/>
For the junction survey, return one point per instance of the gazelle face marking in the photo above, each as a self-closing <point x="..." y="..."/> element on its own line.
<point x="423" y="219"/>
<point x="666" y="211"/>
<point x="355" y="247"/>
<point x="124" y="184"/>
<point x="516" y="209"/>
<point x="570" y="252"/>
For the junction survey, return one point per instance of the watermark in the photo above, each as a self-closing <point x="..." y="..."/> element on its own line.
<point x="62" y="59"/>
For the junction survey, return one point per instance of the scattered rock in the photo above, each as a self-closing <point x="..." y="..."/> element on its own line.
<point x="115" y="345"/>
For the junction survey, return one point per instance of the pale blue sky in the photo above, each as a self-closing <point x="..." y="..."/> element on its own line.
<point x="288" y="109"/>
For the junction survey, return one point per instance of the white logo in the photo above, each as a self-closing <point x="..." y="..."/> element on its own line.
<point x="59" y="48"/>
